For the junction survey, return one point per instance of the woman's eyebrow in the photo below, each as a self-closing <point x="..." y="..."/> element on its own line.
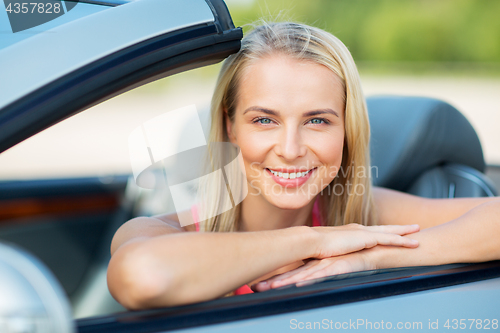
<point x="321" y="111"/>
<point x="307" y="114"/>
<point x="261" y="109"/>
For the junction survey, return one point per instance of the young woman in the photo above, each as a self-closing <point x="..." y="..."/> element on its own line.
<point x="290" y="100"/>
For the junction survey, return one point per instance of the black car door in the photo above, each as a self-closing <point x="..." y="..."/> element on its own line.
<point x="112" y="47"/>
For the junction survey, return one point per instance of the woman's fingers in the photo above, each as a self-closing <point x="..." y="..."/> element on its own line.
<point x="392" y="239"/>
<point x="395" y="229"/>
<point x="336" y="241"/>
<point x="366" y="240"/>
<point x="299" y="274"/>
<point x="392" y="229"/>
<point x="269" y="283"/>
<point x="342" y="266"/>
<point x="317" y="269"/>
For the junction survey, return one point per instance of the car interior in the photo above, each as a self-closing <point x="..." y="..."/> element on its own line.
<point x="426" y="147"/>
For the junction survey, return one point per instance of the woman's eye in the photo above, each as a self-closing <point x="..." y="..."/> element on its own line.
<point x="318" y="121"/>
<point x="264" y="121"/>
<point x="267" y="121"/>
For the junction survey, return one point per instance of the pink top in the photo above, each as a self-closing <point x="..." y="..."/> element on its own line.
<point x="245" y="289"/>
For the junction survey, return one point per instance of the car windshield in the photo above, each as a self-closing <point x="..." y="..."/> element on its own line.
<point x="12" y="20"/>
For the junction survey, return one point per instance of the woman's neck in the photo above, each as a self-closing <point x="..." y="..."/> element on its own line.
<point x="258" y="214"/>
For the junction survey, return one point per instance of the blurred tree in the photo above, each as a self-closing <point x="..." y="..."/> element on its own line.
<point x="394" y="30"/>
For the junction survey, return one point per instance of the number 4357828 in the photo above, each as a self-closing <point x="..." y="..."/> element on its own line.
<point x="484" y="324"/>
<point x="33" y="7"/>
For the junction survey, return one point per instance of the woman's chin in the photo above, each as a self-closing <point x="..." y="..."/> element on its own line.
<point x="289" y="202"/>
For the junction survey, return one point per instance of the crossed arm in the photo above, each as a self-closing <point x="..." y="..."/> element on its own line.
<point x="156" y="263"/>
<point x="452" y="231"/>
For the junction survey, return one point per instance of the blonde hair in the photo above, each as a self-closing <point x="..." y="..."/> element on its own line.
<point x="306" y="43"/>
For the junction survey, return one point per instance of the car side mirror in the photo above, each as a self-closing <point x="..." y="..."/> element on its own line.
<point x="31" y="298"/>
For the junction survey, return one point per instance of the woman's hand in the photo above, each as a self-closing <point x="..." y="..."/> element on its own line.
<point x="318" y="268"/>
<point x="342" y="250"/>
<point x="336" y="241"/>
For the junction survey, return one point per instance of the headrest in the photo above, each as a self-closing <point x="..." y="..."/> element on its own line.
<point x="412" y="134"/>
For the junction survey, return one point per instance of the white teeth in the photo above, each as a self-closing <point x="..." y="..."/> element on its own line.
<point x="292" y="175"/>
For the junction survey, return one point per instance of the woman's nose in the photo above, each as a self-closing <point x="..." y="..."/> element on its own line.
<point x="290" y="145"/>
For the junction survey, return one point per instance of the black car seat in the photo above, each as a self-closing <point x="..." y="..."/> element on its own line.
<point x="425" y="147"/>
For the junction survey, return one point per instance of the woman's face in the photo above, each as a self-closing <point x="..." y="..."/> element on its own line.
<point x="289" y="118"/>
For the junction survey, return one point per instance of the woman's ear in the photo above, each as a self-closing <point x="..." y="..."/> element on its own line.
<point x="229" y="127"/>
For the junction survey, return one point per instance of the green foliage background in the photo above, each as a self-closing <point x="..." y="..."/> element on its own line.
<point x="414" y="31"/>
<point x="458" y="38"/>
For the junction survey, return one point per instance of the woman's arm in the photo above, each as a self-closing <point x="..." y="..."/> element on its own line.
<point x="154" y="264"/>
<point x="187" y="267"/>
<point x="162" y="266"/>
<point x="472" y="237"/>
<point x="395" y="207"/>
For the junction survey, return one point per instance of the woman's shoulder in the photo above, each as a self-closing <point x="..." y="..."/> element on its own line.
<point x="394" y="207"/>
<point x="388" y="199"/>
<point x="172" y="219"/>
<point x="144" y="226"/>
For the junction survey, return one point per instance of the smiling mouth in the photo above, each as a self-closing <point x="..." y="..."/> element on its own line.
<point x="291" y="175"/>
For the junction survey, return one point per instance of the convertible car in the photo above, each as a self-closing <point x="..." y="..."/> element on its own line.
<point x="55" y="233"/>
